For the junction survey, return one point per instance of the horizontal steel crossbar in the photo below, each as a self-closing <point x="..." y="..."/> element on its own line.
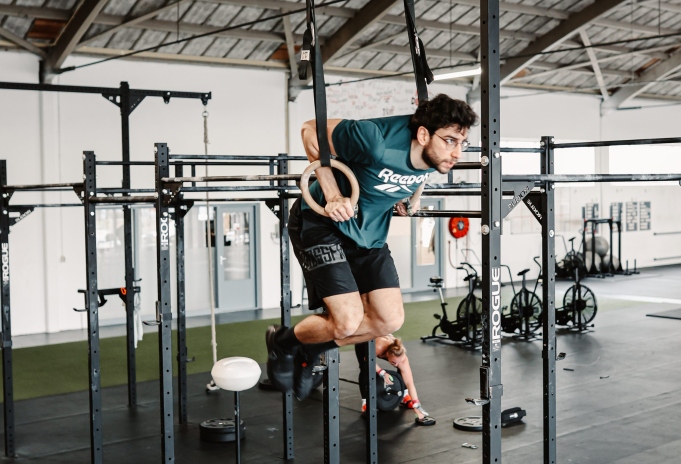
<point x="240" y="188"/>
<point x="591" y="178"/>
<point x="122" y="191"/>
<point x="122" y="200"/>
<point x="507" y="150"/>
<point x="184" y="163"/>
<point x="243" y="178"/>
<point x="238" y="158"/>
<point x="614" y="143"/>
<point x="467" y="165"/>
<point x="447" y="213"/>
<point x="41" y="186"/>
<point x="102" y="90"/>
<point x="16" y="208"/>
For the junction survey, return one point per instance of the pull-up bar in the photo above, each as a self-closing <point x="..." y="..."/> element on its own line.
<point x="107" y="91"/>
<point x="615" y="143"/>
<point x="539" y="178"/>
<point x="42" y="186"/>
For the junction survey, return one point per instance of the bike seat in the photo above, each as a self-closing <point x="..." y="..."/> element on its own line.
<point x="523" y="272"/>
<point x="572" y="239"/>
<point x="436" y="280"/>
<point x="468" y="277"/>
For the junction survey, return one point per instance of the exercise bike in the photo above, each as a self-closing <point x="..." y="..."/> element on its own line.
<point x="565" y="269"/>
<point x="579" y="306"/>
<point x="466" y="329"/>
<point x="523" y="317"/>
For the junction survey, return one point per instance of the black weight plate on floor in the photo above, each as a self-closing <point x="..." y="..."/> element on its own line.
<point x="387" y="399"/>
<point x="266" y="384"/>
<point x="317" y="379"/>
<point x="469" y="424"/>
<point x="220" y="430"/>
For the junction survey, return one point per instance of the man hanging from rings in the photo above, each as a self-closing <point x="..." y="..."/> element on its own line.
<point x="346" y="262"/>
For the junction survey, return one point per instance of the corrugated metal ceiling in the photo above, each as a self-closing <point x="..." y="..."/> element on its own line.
<point x="449" y="29"/>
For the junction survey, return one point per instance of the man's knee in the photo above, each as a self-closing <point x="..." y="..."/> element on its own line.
<point x="347" y="324"/>
<point x="389" y="321"/>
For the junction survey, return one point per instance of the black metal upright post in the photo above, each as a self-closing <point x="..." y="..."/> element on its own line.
<point x="92" y="306"/>
<point x="180" y="212"/>
<point x="128" y="244"/>
<point x="332" y="408"/>
<point x="7" y="376"/>
<point x="282" y="168"/>
<point x="490" y="372"/>
<point x="549" y="298"/>
<point x="163" y="305"/>
<point x="372" y="425"/>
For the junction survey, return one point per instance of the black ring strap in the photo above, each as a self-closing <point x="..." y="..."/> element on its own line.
<point x="311" y="53"/>
<point x="422" y="71"/>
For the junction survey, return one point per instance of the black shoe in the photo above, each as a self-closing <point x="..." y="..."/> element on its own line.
<point x="279" y="362"/>
<point x="303" y="374"/>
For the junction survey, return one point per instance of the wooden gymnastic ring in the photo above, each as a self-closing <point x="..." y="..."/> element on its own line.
<point x="305" y="180"/>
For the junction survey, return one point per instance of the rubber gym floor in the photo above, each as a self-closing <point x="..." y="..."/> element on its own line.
<point x="619" y="402"/>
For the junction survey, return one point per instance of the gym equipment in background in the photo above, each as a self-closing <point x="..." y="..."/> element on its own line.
<point x="469" y="311"/>
<point x="458" y="227"/>
<point x="512" y="416"/>
<point x="594" y="262"/>
<point x="466" y="329"/>
<point x="602" y="245"/>
<point x="388" y="397"/>
<point x="565" y="269"/>
<point x="469" y="423"/>
<point x="103" y="292"/>
<point x="593" y="255"/>
<point x="523" y="316"/>
<point x="579" y="306"/>
<point x="234" y="374"/>
<point x="509" y="417"/>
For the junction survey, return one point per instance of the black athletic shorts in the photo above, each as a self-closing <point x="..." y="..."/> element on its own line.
<point x="332" y="263"/>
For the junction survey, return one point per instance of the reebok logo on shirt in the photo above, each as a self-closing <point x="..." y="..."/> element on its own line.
<point x="395" y="182"/>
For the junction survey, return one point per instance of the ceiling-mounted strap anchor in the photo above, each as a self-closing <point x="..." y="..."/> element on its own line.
<point x="305" y="53"/>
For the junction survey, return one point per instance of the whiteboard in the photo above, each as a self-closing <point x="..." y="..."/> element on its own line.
<point x="371" y="99"/>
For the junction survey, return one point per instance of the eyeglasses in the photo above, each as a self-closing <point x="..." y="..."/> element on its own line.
<point x="452" y="143"/>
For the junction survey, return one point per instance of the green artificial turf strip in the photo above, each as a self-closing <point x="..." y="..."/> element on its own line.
<point x="65" y="365"/>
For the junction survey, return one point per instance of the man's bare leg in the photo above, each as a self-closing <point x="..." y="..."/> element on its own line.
<point x="351" y="318"/>
<point x="344" y="314"/>
<point x="383" y="314"/>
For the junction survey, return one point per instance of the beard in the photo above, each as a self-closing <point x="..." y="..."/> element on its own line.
<point x="431" y="160"/>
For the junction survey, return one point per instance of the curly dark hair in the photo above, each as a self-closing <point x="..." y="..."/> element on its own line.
<point x="442" y="111"/>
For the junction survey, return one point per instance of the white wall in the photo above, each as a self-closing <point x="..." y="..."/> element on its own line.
<point x="44" y="135"/>
<point x="571" y="118"/>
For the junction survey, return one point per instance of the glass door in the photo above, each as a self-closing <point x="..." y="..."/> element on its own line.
<point x="426" y="236"/>
<point x="236" y="260"/>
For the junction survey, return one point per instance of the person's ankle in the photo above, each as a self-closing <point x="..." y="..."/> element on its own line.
<point x="287" y="341"/>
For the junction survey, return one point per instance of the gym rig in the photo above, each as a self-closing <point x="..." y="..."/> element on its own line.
<point x="499" y="196"/>
<point x="127" y="100"/>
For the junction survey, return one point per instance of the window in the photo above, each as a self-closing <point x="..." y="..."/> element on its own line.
<point x="566" y="161"/>
<point x="646" y="159"/>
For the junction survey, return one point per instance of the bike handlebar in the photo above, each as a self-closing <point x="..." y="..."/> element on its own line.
<point x="472" y="268"/>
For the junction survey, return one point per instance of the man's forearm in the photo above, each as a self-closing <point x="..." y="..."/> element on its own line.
<point x="324" y="174"/>
<point x="416" y="196"/>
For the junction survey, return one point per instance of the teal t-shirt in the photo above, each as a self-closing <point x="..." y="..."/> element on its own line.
<point x="377" y="151"/>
